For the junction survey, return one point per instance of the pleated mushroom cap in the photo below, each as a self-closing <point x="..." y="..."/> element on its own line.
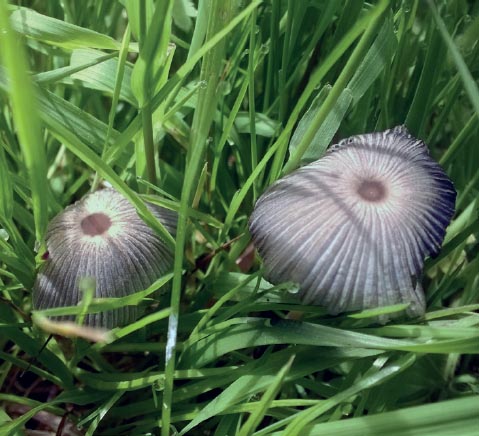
<point x="102" y="236"/>
<point x="353" y="228"/>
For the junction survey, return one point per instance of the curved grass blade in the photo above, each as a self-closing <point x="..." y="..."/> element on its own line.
<point x="22" y="94"/>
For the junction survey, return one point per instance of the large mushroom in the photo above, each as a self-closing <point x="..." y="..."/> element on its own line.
<point x="102" y="237"/>
<point x="352" y="229"/>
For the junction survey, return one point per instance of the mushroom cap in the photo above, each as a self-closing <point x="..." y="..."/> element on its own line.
<point x="353" y="228"/>
<point x="101" y="236"/>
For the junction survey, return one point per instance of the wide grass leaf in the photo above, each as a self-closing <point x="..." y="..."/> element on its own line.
<point x="376" y="59"/>
<point x="102" y="75"/>
<point x="445" y="418"/>
<point x="256" y="332"/>
<point x="58" y="32"/>
<point x="27" y="123"/>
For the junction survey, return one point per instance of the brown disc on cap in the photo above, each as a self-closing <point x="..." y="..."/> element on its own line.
<point x="95" y="224"/>
<point x="372" y="190"/>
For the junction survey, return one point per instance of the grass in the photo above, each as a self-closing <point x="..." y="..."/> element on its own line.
<point x="199" y="106"/>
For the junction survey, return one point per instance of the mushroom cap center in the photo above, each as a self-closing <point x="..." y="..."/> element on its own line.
<point x="372" y="190"/>
<point x="95" y="224"/>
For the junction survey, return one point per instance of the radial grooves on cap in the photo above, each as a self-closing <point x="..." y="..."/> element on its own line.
<point x="348" y="251"/>
<point x="125" y="258"/>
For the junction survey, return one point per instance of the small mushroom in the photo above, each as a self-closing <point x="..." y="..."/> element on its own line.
<point x="102" y="237"/>
<point x="352" y="229"/>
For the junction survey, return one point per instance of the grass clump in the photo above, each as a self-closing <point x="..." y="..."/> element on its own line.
<point x="198" y="107"/>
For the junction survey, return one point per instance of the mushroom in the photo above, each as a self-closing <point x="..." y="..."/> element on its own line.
<point x="352" y="229"/>
<point x="102" y="237"/>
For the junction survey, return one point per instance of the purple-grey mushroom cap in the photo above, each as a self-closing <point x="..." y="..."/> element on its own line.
<point x="353" y="228"/>
<point x="102" y="237"/>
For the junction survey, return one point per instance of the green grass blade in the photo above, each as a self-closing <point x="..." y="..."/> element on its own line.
<point x="255" y="332"/>
<point x="6" y="189"/>
<point x="102" y="76"/>
<point x="255" y="418"/>
<point x="444" y="418"/>
<point x="466" y="76"/>
<point x="207" y="99"/>
<point x="340" y="84"/>
<point x="303" y="418"/>
<point x="26" y="120"/>
<point x="58" y="32"/>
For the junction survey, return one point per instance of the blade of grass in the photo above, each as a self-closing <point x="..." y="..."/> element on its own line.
<point x="303" y="418"/>
<point x="444" y="418"/>
<point x="56" y="75"/>
<point x="347" y="73"/>
<point x="103" y="76"/>
<point x="424" y="93"/>
<point x="103" y="304"/>
<point x="255" y="418"/>
<point x="460" y="140"/>
<point x="251" y="97"/>
<point x="26" y="120"/>
<point x="250" y="332"/>
<point x="470" y="85"/>
<point x="120" y="70"/>
<point x="375" y="60"/>
<point x="149" y="73"/>
<point x="58" y="32"/>
<point x="6" y="189"/>
<point x="317" y="76"/>
<point x="220" y="14"/>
